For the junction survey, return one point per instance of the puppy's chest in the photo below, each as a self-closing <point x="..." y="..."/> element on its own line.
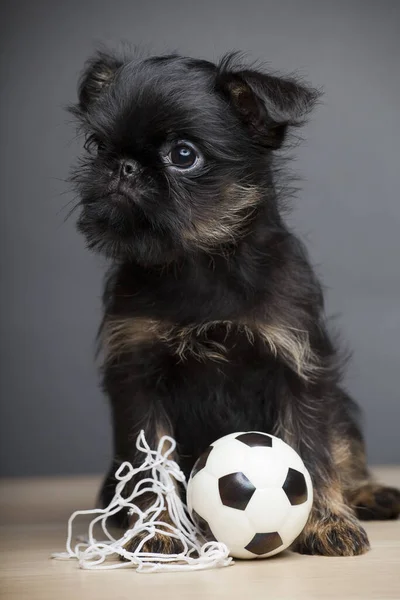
<point x="213" y="341"/>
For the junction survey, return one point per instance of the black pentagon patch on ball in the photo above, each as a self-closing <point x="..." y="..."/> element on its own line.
<point x="255" y="439"/>
<point x="295" y="487"/>
<point x="201" y="461"/>
<point x="235" y="490"/>
<point x="264" y="542"/>
<point x="203" y="527"/>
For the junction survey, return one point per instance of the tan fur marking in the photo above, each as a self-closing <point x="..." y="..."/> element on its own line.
<point x="121" y="334"/>
<point x="291" y="344"/>
<point x="238" y="88"/>
<point x="191" y="340"/>
<point x="226" y="220"/>
<point x="329" y="499"/>
<point x="350" y="461"/>
<point x="164" y="428"/>
<point x="341" y="452"/>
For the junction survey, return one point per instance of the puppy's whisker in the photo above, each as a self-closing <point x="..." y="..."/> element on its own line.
<point x="74" y="201"/>
<point x="71" y="212"/>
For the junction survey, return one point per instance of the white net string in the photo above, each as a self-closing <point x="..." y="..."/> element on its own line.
<point x="195" y="555"/>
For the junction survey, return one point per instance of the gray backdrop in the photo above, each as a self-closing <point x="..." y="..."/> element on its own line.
<point x="53" y="417"/>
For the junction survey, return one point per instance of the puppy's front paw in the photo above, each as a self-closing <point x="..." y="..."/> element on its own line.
<point x="376" y="502"/>
<point x="160" y="543"/>
<point x="335" y="535"/>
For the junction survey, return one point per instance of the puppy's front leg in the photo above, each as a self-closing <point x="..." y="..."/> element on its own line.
<point x="160" y="542"/>
<point x="332" y="528"/>
<point x="135" y="408"/>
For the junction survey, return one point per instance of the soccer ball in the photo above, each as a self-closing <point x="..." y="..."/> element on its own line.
<point x="251" y="491"/>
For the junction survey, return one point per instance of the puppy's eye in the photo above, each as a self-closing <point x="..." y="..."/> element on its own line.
<point x="93" y="144"/>
<point x="90" y="143"/>
<point x="184" y="155"/>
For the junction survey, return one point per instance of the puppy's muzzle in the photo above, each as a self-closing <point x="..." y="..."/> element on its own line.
<point x="128" y="169"/>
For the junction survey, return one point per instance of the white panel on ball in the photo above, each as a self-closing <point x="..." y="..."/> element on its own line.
<point x="265" y="468"/>
<point x="229" y="457"/>
<point x="203" y="495"/>
<point x="267" y="510"/>
<point x="232" y="525"/>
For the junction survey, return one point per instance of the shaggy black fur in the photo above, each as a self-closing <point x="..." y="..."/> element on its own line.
<point x="213" y="317"/>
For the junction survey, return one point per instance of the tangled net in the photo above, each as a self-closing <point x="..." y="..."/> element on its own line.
<point x="165" y="473"/>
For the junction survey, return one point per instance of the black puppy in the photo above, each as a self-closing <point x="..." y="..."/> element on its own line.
<point x="213" y="317"/>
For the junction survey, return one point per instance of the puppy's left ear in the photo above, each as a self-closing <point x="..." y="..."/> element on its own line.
<point x="97" y="75"/>
<point x="266" y="104"/>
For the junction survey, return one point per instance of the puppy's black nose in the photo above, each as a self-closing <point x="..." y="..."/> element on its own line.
<point x="128" y="168"/>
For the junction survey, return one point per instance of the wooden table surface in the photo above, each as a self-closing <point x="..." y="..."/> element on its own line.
<point x="33" y="515"/>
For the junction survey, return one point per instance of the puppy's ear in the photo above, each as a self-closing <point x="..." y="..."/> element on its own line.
<point x="267" y="104"/>
<point x="98" y="73"/>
